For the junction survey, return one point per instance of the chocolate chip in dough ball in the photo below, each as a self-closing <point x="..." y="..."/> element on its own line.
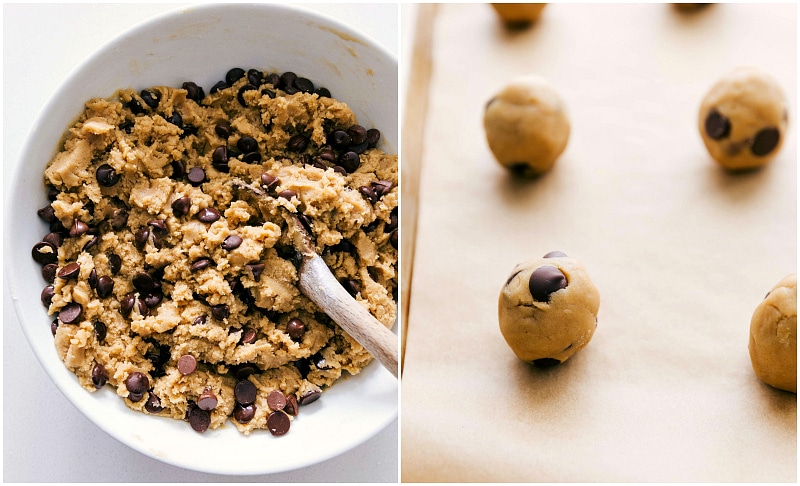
<point x="519" y="15"/>
<point x="773" y="336"/>
<point x="743" y="119"/>
<point x="548" y="309"/>
<point x="526" y="125"/>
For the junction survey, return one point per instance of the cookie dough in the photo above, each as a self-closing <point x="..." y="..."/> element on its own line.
<point x="526" y="125"/>
<point x="548" y="309"/>
<point x="773" y="336"/>
<point x="181" y="296"/>
<point x="743" y="119"/>
<point x="517" y="15"/>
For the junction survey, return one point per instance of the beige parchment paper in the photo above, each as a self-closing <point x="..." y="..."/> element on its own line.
<point x="681" y="252"/>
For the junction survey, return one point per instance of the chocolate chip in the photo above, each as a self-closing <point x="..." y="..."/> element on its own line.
<point x="765" y="141"/>
<point x="393" y="238"/>
<point x="234" y="75"/>
<point x="99" y="376"/>
<point x="193" y="91"/>
<point x="105" y="286"/>
<point x="135" y="107"/>
<point x="201" y="264"/>
<point x="276" y="400"/>
<point x="297" y="143"/>
<point x="358" y="134"/>
<point x="199" y="320"/>
<point x="54" y="326"/>
<point x="181" y="206"/>
<point x="251" y="158"/>
<point x="143" y="282"/>
<point x="219" y="159"/>
<point x="150" y="98"/>
<point x="295" y="328"/>
<point x="254" y="76"/>
<point x="248" y="335"/>
<point x="322" y="92"/>
<point x="351" y="286"/>
<point x="152" y="299"/>
<point x="287" y="80"/>
<point x="126" y="304"/>
<point x="220" y="312"/>
<point x="555" y="254"/>
<point x="78" y="228"/>
<point x="47" y="295"/>
<point x="339" y="139"/>
<point x="245" y="392"/>
<point x="232" y="242"/>
<point x="187" y="364"/>
<point x="137" y="383"/>
<point x="242" y="91"/>
<point x="47" y="214"/>
<point x="278" y="423"/>
<point x="220" y="85"/>
<point x="269" y="181"/>
<point x="350" y="161"/>
<point x="717" y="125"/>
<point x="54" y="239"/>
<point x="49" y="272"/>
<point x="196" y="176"/>
<point x="114" y="263"/>
<point x="199" y="419"/>
<point x="119" y="218"/>
<point x="247" y="144"/>
<point x="244" y="413"/>
<point x="142" y="306"/>
<point x="153" y="404"/>
<point x="44" y="253"/>
<point x="256" y="269"/>
<point x="305" y="85"/>
<point x="69" y="271"/>
<point x="140" y="237"/>
<point x="287" y="194"/>
<point x="70" y="313"/>
<point x="382" y="188"/>
<point x="291" y="405"/>
<point x="546" y="362"/>
<point x="369" y="193"/>
<point x="544" y="281"/>
<point x="373" y="136"/>
<point x="100" y="330"/>
<point x="223" y="129"/>
<point x="107" y="176"/>
<point x="208" y="215"/>
<point x="91" y="243"/>
<point x="176" y="119"/>
<point x="207" y="400"/>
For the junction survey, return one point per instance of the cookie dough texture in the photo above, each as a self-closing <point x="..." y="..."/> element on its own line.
<point x="548" y="309"/>
<point x="773" y="336"/>
<point x="519" y="14"/>
<point x="743" y="119"/>
<point x="222" y="289"/>
<point x="526" y="125"/>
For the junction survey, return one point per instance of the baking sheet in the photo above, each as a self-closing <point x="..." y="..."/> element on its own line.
<point x="681" y="252"/>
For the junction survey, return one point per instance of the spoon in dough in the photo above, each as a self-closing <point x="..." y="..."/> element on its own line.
<point x="318" y="284"/>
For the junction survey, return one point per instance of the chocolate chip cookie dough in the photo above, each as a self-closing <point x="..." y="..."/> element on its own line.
<point x="183" y="297"/>
<point x="548" y="309"/>
<point x="773" y="336"/>
<point x="743" y="119"/>
<point x="526" y="125"/>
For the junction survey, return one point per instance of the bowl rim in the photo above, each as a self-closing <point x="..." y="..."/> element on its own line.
<point x="71" y="390"/>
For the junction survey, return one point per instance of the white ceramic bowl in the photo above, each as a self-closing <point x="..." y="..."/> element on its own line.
<point x="200" y="44"/>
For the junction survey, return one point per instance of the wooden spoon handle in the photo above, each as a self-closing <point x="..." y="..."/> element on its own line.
<point x="318" y="284"/>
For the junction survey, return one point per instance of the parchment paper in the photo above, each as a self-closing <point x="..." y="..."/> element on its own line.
<point x="681" y="252"/>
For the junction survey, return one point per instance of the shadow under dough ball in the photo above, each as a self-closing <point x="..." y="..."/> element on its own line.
<point x="526" y="125"/>
<point x="773" y="336"/>
<point x="518" y="15"/>
<point x="548" y="309"/>
<point x="743" y="119"/>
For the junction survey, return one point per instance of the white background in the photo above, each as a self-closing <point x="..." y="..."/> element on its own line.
<point x="45" y="438"/>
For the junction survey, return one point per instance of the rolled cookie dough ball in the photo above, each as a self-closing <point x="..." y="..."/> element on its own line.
<point x="548" y="309"/>
<point x="519" y="14"/>
<point x="773" y="336"/>
<point x="526" y="125"/>
<point x="743" y="119"/>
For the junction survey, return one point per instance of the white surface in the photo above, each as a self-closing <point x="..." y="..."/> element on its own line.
<point x="44" y="427"/>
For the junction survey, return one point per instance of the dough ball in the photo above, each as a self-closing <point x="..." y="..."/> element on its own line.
<point x="519" y="14"/>
<point x="548" y="309"/>
<point x="743" y="119"/>
<point x="773" y="336"/>
<point x="526" y="126"/>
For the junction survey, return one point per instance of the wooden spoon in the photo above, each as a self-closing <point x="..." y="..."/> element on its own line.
<point x="318" y="284"/>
